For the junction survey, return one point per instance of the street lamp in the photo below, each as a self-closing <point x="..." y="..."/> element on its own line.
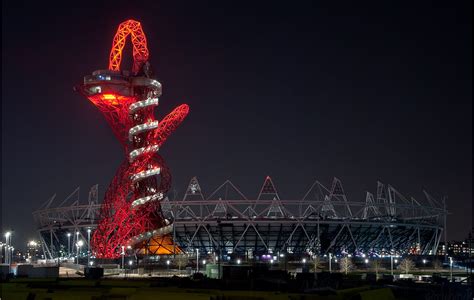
<point x="79" y="244"/>
<point x="88" y="244"/>
<point x="238" y="261"/>
<point x="7" y="243"/>
<point x="197" y="260"/>
<point x="76" y="237"/>
<point x="330" y="258"/>
<point x="304" y="261"/>
<point x="391" y="262"/>
<point x="168" y="264"/>
<point x="1" y="251"/>
<point x="11" y="254"/>
<point x="451" y="268"/>
<point x="69" y="244"/>
<point x="7" y="250"/>
<point x="123" y="257"/>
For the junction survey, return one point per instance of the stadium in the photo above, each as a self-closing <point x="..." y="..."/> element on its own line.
<point x="135" y="213"/>
<point x="227" y="224"/>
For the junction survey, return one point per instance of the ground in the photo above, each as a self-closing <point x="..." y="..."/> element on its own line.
<point x="82" y="289"/>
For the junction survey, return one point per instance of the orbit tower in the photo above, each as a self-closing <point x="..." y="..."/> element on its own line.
<point x="131" y="215"/>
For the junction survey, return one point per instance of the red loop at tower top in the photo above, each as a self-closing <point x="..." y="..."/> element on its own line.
<point x="140" y="50"/>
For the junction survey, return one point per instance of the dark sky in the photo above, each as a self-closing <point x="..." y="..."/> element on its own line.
<point x="363" y="91"/>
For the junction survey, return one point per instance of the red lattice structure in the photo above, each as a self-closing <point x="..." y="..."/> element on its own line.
<point x="131" y="215"/>
<point x="140" y="50"/>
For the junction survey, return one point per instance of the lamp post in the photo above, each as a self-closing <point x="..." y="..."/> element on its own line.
<point x="11" y="254"/>
<point x="123" y="257"/>
<point x="7" y="243"/>
<point x="76" y="238"/>
<point x="451" y="268"/>
<point x="330" y="261"/>
<point x="197" y="260"/>
<point x="470" y="257"/>
<point x="88" y="245"/>
<point x="391" y="263"/>
<point x="69" y="244"/>
<point x="78" y="246"/>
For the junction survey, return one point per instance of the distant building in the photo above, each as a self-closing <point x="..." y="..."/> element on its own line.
<point x="460" y="248"/>
<point x="455" y="248"/>
<point x="33" y="251"/>
<point x="18" y="256"/>
<point x="441" y="249"/>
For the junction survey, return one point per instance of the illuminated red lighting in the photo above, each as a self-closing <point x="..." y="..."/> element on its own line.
<point x="109" y="99"/>
<point x="140" y="50"/>
<point x="131" y="212"/>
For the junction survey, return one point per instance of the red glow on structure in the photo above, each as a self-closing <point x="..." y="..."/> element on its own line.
<point x="109" y="99"/>
<point x="140" y="50"/>
<point x="131" y="211"/>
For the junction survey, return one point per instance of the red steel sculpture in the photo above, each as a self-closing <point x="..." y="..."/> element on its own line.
<point x="131" y="214"/>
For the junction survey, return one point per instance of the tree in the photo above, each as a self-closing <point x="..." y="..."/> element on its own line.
<point x="181" y="260"/>
<point x="317" y="263"/>
<point x="345" y="264"/>
<point x="437" y="265"/>
<point x="406" y="265"/>
<point x="376" y="266"/>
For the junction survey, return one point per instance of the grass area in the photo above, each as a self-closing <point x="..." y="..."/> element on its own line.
<point x="72" y="289"/>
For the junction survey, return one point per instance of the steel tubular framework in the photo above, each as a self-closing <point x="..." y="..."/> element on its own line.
<point x="140" y="50"/>
<point x="131" y="214"/>
<point x="322" y="221"/>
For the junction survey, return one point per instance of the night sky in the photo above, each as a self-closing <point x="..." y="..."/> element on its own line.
<point x="296" y="90"/>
